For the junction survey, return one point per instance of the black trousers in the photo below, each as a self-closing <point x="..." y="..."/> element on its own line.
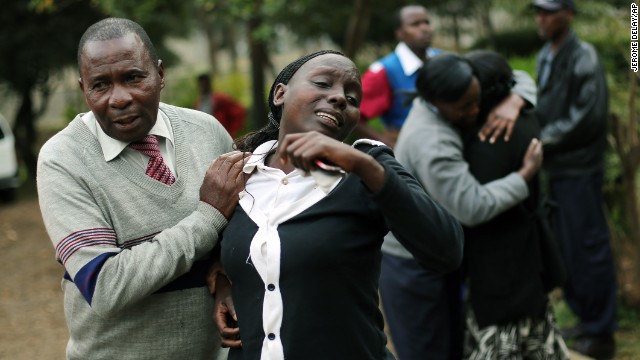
<point x="582" y="231"/>
<point x="423" y="310"/>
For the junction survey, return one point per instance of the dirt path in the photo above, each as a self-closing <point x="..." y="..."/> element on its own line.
<point x="32" y="325"/>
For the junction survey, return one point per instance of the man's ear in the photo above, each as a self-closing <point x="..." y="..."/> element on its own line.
<point x="399" y="35"/>
<point x="161" y="73"/>
<point x="81" y="84"/>
<point x="278" y="94"/>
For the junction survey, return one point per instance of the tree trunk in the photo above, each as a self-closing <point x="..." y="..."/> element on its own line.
<point x="358" y="25"/>
<point x="627" y="146"/>
<point x="25" y="133"/>
<point x="233" y="52"/>
<point x="258" y="56"/>
<point x="456" y="31"/>
<point x="631" y="171"/>
<point x="484" y="7"/>
<point x="212" y="42"/>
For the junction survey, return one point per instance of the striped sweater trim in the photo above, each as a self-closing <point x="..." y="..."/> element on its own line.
<point x="131" y="243"/>
<point x="93" y="237"/>
<point x="83" y="238"/>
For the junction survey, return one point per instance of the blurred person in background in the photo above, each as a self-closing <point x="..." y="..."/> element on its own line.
<point x="229" y="112"/>
<point x="573" y="111"/>
<point x="423" y="309"/>
<point x="510" y="263"/>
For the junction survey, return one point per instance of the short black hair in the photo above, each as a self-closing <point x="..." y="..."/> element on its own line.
<point x="445" y="77"/>
<point x="252" y="140"/>
<point x="115" y="28"/>
<point x="286" y="74"/>
<point x="397" y="15"/>
<point x="495" y="77"/>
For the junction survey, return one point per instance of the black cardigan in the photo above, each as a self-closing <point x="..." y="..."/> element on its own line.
<point x="330" y="265"/>
<point x="503" y="258"/>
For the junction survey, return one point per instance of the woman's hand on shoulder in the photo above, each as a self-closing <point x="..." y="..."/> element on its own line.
<point x="502" y="119"/>
<point x="532" y="160"/>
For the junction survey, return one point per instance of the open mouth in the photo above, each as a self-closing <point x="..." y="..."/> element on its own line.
<point x="125" y="119"/>
<point x="125" y="122"/>
<point x="329" y="117"/>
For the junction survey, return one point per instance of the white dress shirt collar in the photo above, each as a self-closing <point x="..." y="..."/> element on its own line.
<point x="408" y="60"/>
<point x="111" y="147"/>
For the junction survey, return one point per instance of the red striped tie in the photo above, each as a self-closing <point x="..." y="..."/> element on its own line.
<point x="156" y="168"/>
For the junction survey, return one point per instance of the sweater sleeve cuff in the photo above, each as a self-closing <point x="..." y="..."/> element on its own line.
<point x="211" y="214"/>
<point x="519" y="183"/>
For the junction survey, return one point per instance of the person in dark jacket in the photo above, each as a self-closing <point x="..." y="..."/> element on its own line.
<point x="573" y="110"/>
<point x="508" y="266"/>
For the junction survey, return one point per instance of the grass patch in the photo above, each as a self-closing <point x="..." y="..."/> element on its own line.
<point x="628" y="334"/>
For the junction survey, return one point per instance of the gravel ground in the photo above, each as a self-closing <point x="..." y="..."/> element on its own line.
<point x="32" y="324"/>
<point x="31" y="318"/>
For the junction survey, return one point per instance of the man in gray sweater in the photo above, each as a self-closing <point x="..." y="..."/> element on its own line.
<point x="134" y="194"/>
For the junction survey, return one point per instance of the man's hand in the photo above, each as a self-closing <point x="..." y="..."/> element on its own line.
<point x="224" y="314"/>
<point x="223" y="181"/>
<point x="502" y="118"/>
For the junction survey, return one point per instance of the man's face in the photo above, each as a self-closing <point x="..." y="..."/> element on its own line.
<point x="553" y="24"/>
<point x="121" y="85"/>
<point x="416" y="30"/>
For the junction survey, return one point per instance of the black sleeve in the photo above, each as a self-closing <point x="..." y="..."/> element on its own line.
<point x="432" y="235"/>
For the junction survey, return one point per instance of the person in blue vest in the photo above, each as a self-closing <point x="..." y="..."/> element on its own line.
<point x="388" y="85"/>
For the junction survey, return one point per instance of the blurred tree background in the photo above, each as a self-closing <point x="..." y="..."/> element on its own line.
<point x="38" y="39"/>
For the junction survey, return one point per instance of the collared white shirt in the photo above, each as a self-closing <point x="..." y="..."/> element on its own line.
<point x="270" y="198"/>
<point x="409" y="61"/>
<point x="112" y="148"/>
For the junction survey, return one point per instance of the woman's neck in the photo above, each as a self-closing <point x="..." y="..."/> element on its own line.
<point x="274" y="160"/>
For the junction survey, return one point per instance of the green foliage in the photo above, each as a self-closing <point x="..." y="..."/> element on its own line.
<point x="564" y="316"/>
<point x="520" y="42"/>
<point x="313" y="19"/>
<point x="627" y="336"/>
<point x="159" y="18"/>
<point x="183" y="91"/>
<point x="234" y="84"/>
<point x="180" y="92"/>
<point x="526" y="64"/>
<point x="34" y="43"/>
